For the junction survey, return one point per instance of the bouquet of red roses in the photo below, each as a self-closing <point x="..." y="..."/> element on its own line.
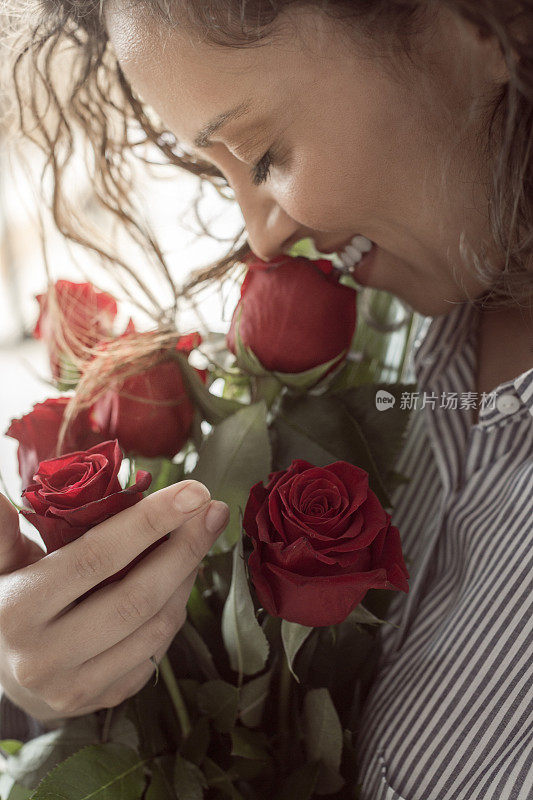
<point x="261" y="688"/>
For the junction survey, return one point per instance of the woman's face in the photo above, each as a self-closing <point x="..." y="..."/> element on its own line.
<point x="356" y="149"/>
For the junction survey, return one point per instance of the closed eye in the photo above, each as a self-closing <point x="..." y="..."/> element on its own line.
<point x="261" y="170"/>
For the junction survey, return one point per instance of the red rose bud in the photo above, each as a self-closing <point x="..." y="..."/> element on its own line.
<point x="321" y="540"/>
<point x="293" y="316"/>
<point x="86" y="316"/>
<point x="38" y="431"/>
<point x="77" y="491"/>
<point x="150" y="413"/>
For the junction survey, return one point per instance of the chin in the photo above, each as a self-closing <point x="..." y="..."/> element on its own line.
<point x="427" y="305"/>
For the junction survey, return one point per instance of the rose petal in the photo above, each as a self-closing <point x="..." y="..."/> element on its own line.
<point x="314" y="601"/>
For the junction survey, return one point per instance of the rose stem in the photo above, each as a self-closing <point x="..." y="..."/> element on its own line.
<point x="285" y="681"/>
<point x="106" y="726"/>
<point x="175" y="694"/>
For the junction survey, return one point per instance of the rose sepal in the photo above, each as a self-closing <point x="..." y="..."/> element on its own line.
<point x="293" y="636"/>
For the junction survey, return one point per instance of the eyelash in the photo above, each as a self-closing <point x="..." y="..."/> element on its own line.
<point x="261" y="170"/>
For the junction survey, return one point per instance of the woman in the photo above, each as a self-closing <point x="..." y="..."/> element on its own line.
<point x="410" y="124"/>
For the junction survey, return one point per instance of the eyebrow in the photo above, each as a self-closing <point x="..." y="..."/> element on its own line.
<point x="202" y="137"/>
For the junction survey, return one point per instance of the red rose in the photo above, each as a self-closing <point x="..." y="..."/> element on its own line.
<point x="293" y="314"/>
<point x="150" y="413"/>
<point x="321" y="540"/>
<point x="87" y="315"/>
<point x="77" y="491"/>
<point x="37" y="434"/>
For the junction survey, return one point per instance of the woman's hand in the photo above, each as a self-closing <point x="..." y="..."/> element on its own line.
<point x="59" y="658"/>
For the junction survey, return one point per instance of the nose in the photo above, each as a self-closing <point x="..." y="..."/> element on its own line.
<point x="271" y="231"/>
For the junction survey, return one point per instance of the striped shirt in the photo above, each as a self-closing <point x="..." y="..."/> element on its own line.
<point x="450" y="713"/>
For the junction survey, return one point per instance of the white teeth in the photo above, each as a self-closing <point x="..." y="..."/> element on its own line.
<point x="346" y="260"/>
<point x="363" y="244"/>
<point x="353" y="253"/>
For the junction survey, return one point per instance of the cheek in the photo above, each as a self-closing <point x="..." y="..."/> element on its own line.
<point x="319" y="195"/>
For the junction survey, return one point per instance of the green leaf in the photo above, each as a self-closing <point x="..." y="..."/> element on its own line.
<point x="234" y="457"/>
<point x="353" y="373"/>
<point x="198" y="609"/>
<point x="253" y="696"/>
<point x="189" y="781"/>
<point x="221" y="780"/>
<point x="301" y="784"/>
<point x="200" y="650"/>
<point x="10" y="746"/>
<point x="323" y="738"/>
<point x="322" y="430"/>
<point x="196" y="745"/>
<point x="214" y="408"/>
<point x="219" y="701"/>
<point x="243" y="636"/>
<point x="99" y="772"/>
<point x="164" y="472"/>
<point x="122" y="730"/>
<point x="38" y="756"/>
<point x="17" y="793"/>
<point x="293" y="636"/>
<point x="189" y="690"/>
<point x="249" y="744"/>
<point x="155" y="719"/>
<point x="384" y="429"/>
<point x="160" y="788"/>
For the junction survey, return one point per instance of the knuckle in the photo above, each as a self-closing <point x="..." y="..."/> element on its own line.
<point x="122" y="691"/>
<point x="90" y="561"/>
<point x="164" y="625"/>
<point x="10" y="629"/>
<point x="13" y="615"/>
<point x="192" y="550"/>
<point x="134" y="605"/>
<point x="68" y="702"/>
<point x="151" y="520"/>
<point x="27" y="673"/>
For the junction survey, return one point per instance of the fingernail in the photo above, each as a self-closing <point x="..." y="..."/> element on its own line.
<point x="217" y="516"/>
<point x="192" y="496"/>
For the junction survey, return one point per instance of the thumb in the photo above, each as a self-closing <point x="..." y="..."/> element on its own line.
<point x="16" y="550"/>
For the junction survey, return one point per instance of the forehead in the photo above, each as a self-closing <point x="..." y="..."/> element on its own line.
<point x="187" y="80"/>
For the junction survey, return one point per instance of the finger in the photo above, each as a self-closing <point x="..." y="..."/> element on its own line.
<point x="126" y="686"/>
<point x="98" y="674"/>
<point x="69" y="703"/>
<point x="114" y="612"/>
<point x="16" y="550"/>
<point x="68" y="573"/>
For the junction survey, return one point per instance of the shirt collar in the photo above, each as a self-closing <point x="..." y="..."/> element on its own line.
<point x="444" y="339"/>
